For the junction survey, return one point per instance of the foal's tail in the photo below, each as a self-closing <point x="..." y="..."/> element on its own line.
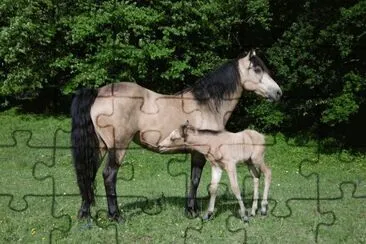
<point x="85" y="144"/>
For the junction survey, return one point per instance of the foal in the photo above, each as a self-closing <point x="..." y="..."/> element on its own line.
<point x="224" y="150"/>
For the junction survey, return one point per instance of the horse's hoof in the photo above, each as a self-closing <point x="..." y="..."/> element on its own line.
<point x="191" y="213"/>
<point x="116" y="218"/>
<point x="84" y="214"/>
<point x="207" y="216"/>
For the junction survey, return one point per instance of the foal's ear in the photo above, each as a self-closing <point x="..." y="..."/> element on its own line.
<point x="184" y="129"/>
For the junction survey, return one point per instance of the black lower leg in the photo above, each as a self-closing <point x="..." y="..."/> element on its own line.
<point x="84" y="211"/>
<point x="197" y="163"/>
<point x="110" y="179"/>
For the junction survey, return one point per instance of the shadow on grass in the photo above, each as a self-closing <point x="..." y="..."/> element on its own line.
<point x="142" y="205"/>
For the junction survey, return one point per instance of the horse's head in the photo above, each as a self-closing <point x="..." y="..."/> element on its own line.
<point x="254" y="77"/>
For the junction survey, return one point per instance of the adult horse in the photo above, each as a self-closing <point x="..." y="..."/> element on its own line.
<point x="109" y="118"/>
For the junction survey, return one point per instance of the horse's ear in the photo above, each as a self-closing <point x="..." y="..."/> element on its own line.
<point x="252" y="53"/>
<point x="186" y="123"/>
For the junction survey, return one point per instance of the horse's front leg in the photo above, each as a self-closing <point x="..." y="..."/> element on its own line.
<point x="110" y="179"/>
<point x="197" y="163"/>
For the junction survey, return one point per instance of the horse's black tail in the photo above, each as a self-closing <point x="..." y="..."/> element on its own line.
<point x="85" y="145"/>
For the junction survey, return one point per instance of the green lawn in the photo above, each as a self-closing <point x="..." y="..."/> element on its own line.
<point x="314" y="197"/>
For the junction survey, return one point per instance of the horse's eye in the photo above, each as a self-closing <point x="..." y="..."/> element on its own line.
<point x="257" y="70"/>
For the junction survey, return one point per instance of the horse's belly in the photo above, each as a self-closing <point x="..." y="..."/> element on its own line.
<point x="150" y="138"/>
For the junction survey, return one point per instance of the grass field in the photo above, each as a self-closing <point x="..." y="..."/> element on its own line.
<point x="313" y="197"/>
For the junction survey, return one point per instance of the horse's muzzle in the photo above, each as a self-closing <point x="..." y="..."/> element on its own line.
<point x="275" y="96"/>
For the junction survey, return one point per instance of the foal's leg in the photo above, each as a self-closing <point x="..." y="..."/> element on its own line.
<point x="255" y="174"/>
<point x="216" y="173"/>
<point x="267" y="182"/>
<point x="198" y="160"/>
<point x="110" y="178"/>
<point x="231" y="170"/>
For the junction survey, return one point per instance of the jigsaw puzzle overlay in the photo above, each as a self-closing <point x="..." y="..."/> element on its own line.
<point x="304" y="196"/>
<point x="315" y="196"/>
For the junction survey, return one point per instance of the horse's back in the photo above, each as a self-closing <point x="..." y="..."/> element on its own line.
<point x="123" y="90"/>
<point x="118" y="106"/>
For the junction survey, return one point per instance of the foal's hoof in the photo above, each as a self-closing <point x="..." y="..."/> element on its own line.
<point x="264" y="211"/>
<point x="208" y="216"/>
<point x="245" y="219"/>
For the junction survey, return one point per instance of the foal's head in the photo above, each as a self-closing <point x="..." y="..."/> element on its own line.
<point x="254" y="76"/>
<point x="177" y="139"/>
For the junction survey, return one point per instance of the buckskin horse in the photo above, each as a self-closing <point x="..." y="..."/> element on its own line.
<point x="107" y="119"/>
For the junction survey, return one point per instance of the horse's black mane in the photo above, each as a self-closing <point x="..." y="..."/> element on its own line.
<point x="217" y="85"/>
<point x="199" y="131"/>
<point x="207" y="131"/>
<point x="221" y="83"/>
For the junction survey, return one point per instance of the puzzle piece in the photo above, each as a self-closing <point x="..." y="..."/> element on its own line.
<point x="37" y="223"/>
<point x="16" y="165"/>
<point x="18" y="202"/>
<point x="323" y="169"/>
<point x="60" y="172"/>
<point x="325" y="166"/>
<point x="343" y="229"/>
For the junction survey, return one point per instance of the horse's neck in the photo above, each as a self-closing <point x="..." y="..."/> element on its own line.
<point x="212" y="117"/>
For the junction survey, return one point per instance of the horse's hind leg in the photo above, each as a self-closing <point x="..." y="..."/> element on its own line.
<point x="110" y="171"/>
<point x="197" y="163"/>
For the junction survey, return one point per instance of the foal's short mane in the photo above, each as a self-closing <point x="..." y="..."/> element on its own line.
<point x="217" y="85"/>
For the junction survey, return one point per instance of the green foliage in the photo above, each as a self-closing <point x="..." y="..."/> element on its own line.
<point x="258" y="12"/>
<point x="265" y="116"/>
<point x="321" y="59"/>
<point x="25" y="37"/>
<point x="347" y="103"/>
<point x="316" y="49"/>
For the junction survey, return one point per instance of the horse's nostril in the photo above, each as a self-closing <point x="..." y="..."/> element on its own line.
<point x="279" y="93"/>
